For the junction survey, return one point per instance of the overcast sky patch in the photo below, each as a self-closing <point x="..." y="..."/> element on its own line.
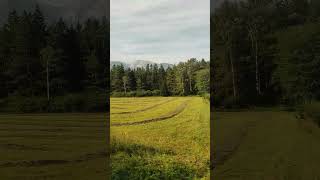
<point x="161" y="31"/>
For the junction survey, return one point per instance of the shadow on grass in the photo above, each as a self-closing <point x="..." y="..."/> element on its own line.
<point x="134" y="161"/>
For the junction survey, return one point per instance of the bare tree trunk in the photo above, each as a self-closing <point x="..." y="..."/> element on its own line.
<point x="190" y="83"/>
<point x="182" y="82"/>
<point x="29" y="75"/>
<point x="233" y="74"/>
<point x="254" y="47"/>
<point x="48" y="83"/>
<point x="125" y="88"/>
<point x="257" y="68"/>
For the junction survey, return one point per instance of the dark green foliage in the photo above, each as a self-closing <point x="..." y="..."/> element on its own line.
<point x="51" y="67"/>
<point x="186" y="78"/>
<point x="303" y="84"/>
<point x="311" y="110"/>
<point x="139" y="93"/>
<point x="203" y="80"/>
<point x="77" y="102"/>
<point x="265" y="53"/>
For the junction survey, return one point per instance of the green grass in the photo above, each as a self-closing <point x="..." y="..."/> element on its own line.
<point x="151" y="110"/>
<point x="265" y="145"/>
<point x="174" y="148"/>
<point x="120" y="105"/>
<point x="53" y="146"/>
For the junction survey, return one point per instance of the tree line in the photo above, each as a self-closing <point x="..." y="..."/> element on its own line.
<point x="186" y="78"/>
<point x="265" y="52"/>
<point x="56" y="66"/>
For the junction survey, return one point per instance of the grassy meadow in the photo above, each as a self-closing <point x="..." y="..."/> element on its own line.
<point x="53" y="146"/>
<point x="265" y="145"/>
<point x="160" y="138"/>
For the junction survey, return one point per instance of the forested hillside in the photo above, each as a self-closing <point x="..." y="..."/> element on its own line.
<point x="186" y="78"/>
<point x="265" y="52"/>
<point x="53" y="67"/>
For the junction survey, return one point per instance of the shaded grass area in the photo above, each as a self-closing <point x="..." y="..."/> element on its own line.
<point x="269" y="145"/>
<point x="177" y="148"/>
<point x="134" y="161"/>
<point x="53" y="146"/>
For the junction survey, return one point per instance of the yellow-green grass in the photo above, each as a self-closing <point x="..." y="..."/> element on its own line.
<point x="53" y="146"/>
<point x="126" y="105"/>
<point x="265" y="145"/>
<point x="173" y="148"/>
<point x="154" y="109"/>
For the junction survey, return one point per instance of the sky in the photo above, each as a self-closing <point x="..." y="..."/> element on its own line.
<point x="162" y="31"/>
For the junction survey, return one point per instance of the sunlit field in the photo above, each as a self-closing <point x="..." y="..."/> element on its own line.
<point x="160" y="138"/>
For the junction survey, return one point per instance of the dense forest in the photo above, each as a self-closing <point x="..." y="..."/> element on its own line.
<point x="265" y="52"/>
<point x="186" y="78"/>
<point x="56" y="67"/>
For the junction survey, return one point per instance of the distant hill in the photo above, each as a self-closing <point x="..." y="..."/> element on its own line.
<point x="140" y="64"/>
<point x="117" y="63"/>
<point x="166" y="65"/>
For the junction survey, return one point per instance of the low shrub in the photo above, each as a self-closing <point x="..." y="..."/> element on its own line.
<point x="21" y="104"/>
<point x="311" y="110"/>
<point x="139" y="93"/>
<point x="88" y="101"/>
<point x="205" y="96"/>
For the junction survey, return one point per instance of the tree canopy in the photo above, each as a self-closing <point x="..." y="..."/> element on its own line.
<point x="265" y="52"/>
<point x="41" y="64"/>
<point x="186" y="78"/>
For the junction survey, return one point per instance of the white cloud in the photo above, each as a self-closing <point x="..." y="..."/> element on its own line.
<point x="162" y="30"/>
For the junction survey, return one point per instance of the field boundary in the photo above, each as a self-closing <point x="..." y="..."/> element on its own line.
<point x="145" y="109"/>
<point x="172" y="114"/>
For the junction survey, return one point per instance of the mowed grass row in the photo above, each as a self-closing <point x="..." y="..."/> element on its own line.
<point x="137" y="100"/>
<point x="175" y="148"/>
<point x="157" y="109"/>
<point x="53" y="146"/>
<point x="265" y="145"/>
<point x="124" y="105"/>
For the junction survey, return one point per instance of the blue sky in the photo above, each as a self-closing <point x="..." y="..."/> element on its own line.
<point x="161" y="31"/>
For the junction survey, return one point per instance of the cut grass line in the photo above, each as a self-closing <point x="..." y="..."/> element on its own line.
<point x="12" y="146"/>
<point x="53" y="137"/>
<point x="60" y="130"/>
<point x="223" y="155"/>
<point x="56" y="125"/>
<point x="115" y="107"/>
<point x="38" y="163"/>
<point x="52" y="121"/>
<point x="145" y="109"/>
<point x="172" y="114"/>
